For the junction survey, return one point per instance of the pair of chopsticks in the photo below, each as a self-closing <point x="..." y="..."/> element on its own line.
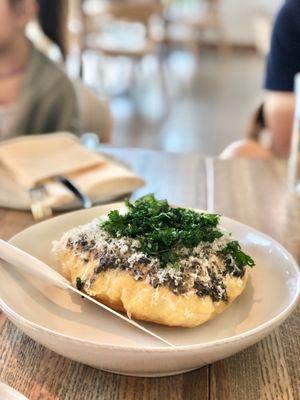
<point x="38" y="197"/>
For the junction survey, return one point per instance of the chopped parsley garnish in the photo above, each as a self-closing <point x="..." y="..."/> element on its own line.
<point x="162" y="230"/>
<point x="79" y="283"/>
<point x="233" y="252"/>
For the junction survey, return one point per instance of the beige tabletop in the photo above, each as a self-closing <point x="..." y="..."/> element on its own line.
<point x="253" y="192"/>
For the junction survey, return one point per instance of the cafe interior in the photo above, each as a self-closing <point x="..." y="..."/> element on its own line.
<point x="138" y="137"/>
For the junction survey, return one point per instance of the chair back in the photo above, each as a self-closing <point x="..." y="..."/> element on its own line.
<point x="256" y="124"/>
<point x="95" y="112"/>
<point x="133" y="11"/>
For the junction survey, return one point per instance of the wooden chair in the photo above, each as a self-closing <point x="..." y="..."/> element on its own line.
<point x="257" y="143"/>
<point x="196" y="25"/>
<point x="256" y="124"/>
<point x="131" y="12"/>
<point x="95" y="113"/>
<point x="122" y="10"/>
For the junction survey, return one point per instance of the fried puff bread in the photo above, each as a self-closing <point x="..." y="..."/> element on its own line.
<point x="116" y="271"/>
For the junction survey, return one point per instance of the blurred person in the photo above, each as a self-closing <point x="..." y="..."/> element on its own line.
<point x="277" y="111"/>
<point x="36" y="96"/>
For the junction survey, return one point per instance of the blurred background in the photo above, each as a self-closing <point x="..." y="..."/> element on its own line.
<point x="179" y="75"/>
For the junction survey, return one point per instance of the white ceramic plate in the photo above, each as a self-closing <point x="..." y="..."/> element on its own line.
<point x="80" y="330"/>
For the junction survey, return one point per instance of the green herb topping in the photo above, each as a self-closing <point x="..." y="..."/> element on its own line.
<point x="164" y="231"/>
<point x="235" y="257"/>
<point x="178" y="248"/>
<point x="79" y="283"/>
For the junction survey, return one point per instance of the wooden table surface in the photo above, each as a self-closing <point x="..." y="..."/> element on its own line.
<point x="253" y="192"/>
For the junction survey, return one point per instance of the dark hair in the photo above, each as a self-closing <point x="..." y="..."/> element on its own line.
<point x="52" y="16"/>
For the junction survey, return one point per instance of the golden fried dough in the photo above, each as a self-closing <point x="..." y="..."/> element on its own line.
<point x="120" y="291"/>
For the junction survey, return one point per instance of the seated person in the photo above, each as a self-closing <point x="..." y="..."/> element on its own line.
<point x="279" y="102"/>
<point x="36" y="96"/>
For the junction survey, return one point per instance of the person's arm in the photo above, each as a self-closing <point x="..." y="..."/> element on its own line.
<point x="282" y="66"/>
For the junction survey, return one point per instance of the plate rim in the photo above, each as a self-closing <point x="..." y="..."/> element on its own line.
<point x="13" y="393"/>
<point x="275" y="321"/>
